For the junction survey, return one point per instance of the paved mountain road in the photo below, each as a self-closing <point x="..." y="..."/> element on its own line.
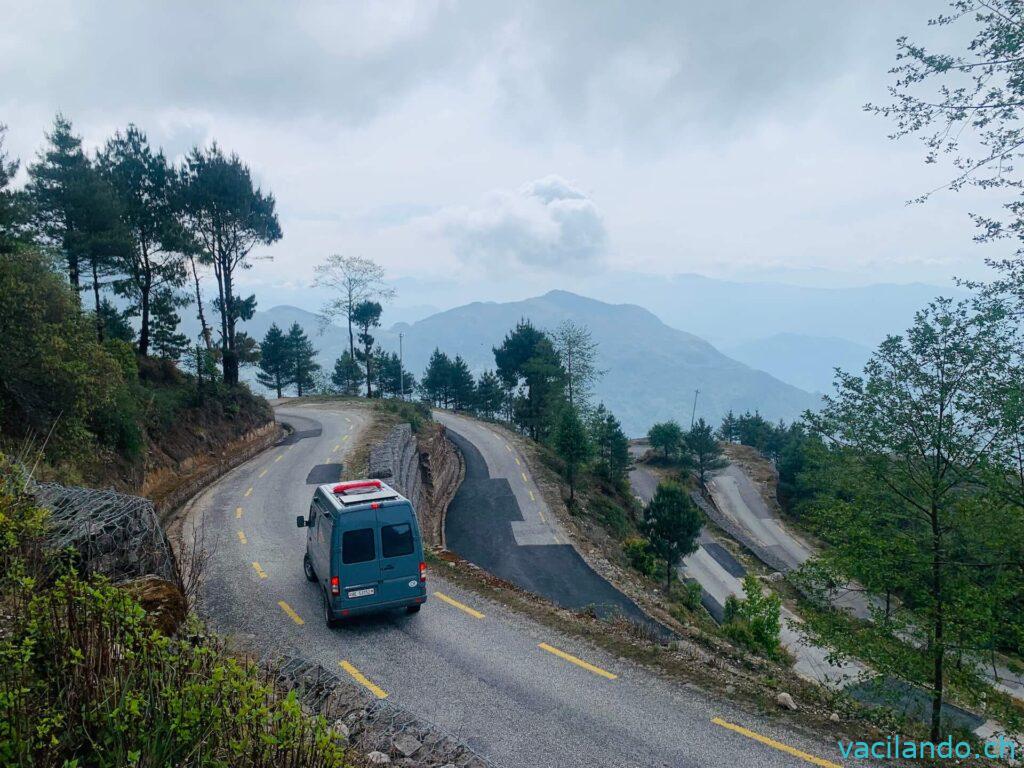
<point x="720" y="576"/>
<point x="482" y="676"/>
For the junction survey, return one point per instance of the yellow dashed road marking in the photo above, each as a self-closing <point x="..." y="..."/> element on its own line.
<point x="344" y="438"/>
<point x="241" y="537"/>
<point x="524" y="477"/>
<point x="259" y="570"/>
<point x="336" y="448"/>
<point x="238" y="513"/>
<point x="508" y="448"/>
<point x="578" y="662"/>
<point x="518" y="462"/>
<point x="532" y="498"/>
<point x="461" y="606"/>
<point x="776" y="744"/>
<point x="360" y="678"/>
<point x="261" y="474"/>
<point x="279" y="458"/>
<point x="249" y="492"/>
<point x="291" y="613"/>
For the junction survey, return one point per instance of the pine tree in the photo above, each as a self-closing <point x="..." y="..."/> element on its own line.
<point x="672" y="525"/>
<point x="366" y="315"/>
<point x="489" y="396"/>
<point x="145" y="186"/>
<point x="225" y="216"/>
<point x="611" y="445"/>
<point x="706" y="452"/>
<point x="667" y="437"/>
<point x="573" y="445"/>
<point x="302" y="358"/>
<point x="436" y="382"/>
<point x="392" y="379"/>
<point x="164" y="322"/>
<point x="461" y="385"/>
<point x="347" y="376"/>
<point x="275" y="366"/>
<point x="728" y="429"/>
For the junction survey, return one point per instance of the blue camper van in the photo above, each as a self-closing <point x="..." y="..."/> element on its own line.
<point x="363" y="546"/>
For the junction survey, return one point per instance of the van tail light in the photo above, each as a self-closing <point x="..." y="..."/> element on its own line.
<point x="335" y="586"/>
<point x="423" y="571"/>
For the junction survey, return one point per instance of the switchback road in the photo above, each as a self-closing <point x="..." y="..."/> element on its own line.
<point x="519" y="692"/>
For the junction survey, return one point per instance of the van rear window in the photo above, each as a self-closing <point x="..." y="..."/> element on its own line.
<point x="396" y="540"/>
<point x="357" y="546"/>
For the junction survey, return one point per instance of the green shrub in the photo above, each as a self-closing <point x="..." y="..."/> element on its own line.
<point x="416" y="413"/>
<point x="86" y="680"/>
<point x="124" y="354"/>
<point x="640" y="556"/>
<point x="754" y="621"/>
<point x="692" y="593"/>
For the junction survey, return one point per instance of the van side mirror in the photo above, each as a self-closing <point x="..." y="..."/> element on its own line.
<point x="301" y="521"/>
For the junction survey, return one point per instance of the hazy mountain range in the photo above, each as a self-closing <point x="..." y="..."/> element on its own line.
<point x="766" y="346"/>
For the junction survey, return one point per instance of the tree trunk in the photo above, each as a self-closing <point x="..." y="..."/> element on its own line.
<point x="146" y="288"/>
<point x="96" y="300"/>
<point x="938" y="645"/>
<point x="207" y="336"/>
<point x="668" y="578"/>
<point x="369" y="374"/>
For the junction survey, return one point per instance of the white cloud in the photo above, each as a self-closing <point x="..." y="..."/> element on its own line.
<point x="547" y="223"/>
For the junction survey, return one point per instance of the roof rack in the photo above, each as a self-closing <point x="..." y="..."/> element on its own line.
<point x="356" y="492"/>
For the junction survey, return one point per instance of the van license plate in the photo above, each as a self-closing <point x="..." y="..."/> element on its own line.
<point x="361" y="592"/>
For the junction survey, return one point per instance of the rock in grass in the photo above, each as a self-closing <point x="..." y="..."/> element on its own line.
<point x="785" y="701"/>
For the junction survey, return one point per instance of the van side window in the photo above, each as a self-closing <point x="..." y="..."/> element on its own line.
<point x="396" y="540"/>
<point x="357" y="546"/>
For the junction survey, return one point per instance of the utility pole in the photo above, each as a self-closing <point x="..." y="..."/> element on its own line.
<point x="694" y="411"/>
<point x="401" y="365"/>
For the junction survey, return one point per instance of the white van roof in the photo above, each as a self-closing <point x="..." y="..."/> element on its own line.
<point x="351" y="493"/>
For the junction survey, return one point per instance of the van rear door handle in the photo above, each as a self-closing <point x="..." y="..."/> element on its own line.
<point x="387" y="568"/>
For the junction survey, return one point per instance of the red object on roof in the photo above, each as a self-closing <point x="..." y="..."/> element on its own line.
<point x="342" y="487"/>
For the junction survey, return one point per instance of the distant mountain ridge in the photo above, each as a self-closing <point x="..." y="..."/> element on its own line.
<point x="808" y="362"/>
<point x="652" y="370"/>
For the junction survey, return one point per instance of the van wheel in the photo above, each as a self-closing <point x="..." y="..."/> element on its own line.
<point x="413" y="608"/>
<point x="307" y="566"/>
<point x="329" y="619"/>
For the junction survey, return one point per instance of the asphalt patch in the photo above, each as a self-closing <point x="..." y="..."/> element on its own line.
<point x="324" y="473"/>
<point x="724" y="558"/>
<point x="301" y="428"/>
<point x="478" y="527"/>
<point x="912" y="702"/>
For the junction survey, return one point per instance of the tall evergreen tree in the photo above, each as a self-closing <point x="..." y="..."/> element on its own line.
<point x="276" y="368"/>
<point x="11" y="213"/>
<point x="573" y="444"/>
<point x="528" y="366"/>
<point x="56" y="194"/>
<point x="164" y="322"/>
<point x="672" y="525"/>
<point x="610" y="444"/>
<point x="461" y="386"/>
<point x="436" y="383"/>
<point x="302" y="358"/>
<point x="144" y="183"/>
<point x="488" y="396"/>
<point x="226" y="216"/>
<point x="667" y="437"/>
<point x="347" y="375"/>
<point x="728" y="429"/>
<point x="704" y="447"/>
<point x="366" y="316"/>
<point x="392" y="378"/>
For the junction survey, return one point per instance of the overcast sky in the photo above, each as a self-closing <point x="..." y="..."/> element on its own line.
<point x="513" y="146"/>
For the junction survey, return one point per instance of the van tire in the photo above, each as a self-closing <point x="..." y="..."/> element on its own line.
<point x="329" y="620"/>
<point x="307" y="566"/>
<point x="413" y="608"/>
